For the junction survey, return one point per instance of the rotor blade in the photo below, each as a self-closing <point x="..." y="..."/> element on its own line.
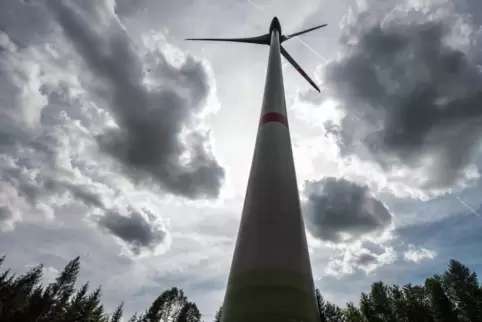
<point x="261" y="40"/>
<point x="302" y="32"/>
<point x="298" y="68"/>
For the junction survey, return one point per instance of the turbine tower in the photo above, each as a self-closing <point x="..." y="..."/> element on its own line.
<point x="271" y="277"/>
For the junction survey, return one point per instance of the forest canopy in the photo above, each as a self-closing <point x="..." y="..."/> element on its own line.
<point x="453" y="296"/>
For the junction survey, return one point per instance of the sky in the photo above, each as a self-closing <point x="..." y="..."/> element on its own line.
<point x="125" y="145"/>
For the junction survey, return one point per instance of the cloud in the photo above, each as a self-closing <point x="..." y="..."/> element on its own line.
<point x="155" y="104"/>
<point x="66" y="108"/>
<point x="352" y="258"/>
<point x="339" y="211"/>
<point x="410" y="87"/>
<point x="137" y="231"/>
<point x="416" y="255"/>
<point x="6" y="217"/>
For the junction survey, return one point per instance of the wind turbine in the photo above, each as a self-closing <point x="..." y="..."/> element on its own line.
<point x="270" y="277"/>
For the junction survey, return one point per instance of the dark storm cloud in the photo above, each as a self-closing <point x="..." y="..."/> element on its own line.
<point x="5" y="214"/>
<point x="366" y="259"/>
<point x="134" y="230"/>
<point x="33" y="25"/>
<point x="338" y="210"/>
<point x="151" y="120"/>
<point x="412" y="94"/>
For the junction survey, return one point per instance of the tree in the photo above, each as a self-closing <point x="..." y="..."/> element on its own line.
<point x="442" y="308"/>
<point x="24" y="299"/>
<point x="73" y="310"/>
<point x="117" y="315"/>
<point x="328" y="312"/>
<point x="166" y="307"/>
<point x="381" y="302"/>
<point x="462" y="288"/>
<point x="417" y="304"/>
<point x="367" y="309"/>
<point x="453" y="297"/>
<point x="2" y="259"/>
<point x="353" y="314"/>
<point x="91" y="310"/>
<point x="57" y="294"/>
<point x="16" y="292"/>
<point x="217" y="316"/>
<point x="320" y="302"/>
<point x="189" y="313"/>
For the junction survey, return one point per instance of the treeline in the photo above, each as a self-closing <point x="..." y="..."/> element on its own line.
<point x="24" y="299"/>
<point x="454" y="296"/>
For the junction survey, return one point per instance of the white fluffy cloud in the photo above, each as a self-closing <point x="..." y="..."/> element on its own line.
<point x="416" y="255"/>
<point x="349" y="259"/>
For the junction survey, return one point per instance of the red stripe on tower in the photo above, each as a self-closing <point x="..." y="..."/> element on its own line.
<point x="274" y="117"/>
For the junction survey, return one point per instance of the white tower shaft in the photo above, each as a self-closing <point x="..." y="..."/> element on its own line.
<point x="271" y="277"/>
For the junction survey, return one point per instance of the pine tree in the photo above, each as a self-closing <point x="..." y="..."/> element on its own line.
<point x="453" y="297"/>
<point x="442" y="308"/>
<point x="320" y="301"/>
<point x="154" y="312"/>
<point x="6" y="293"/>
<point x="189" y="313"/>
<point x="117" y="315"/>
<point x="90" y="305"/>
<point x="3" y="278"/>
<point x="353" y="314"/>
<point x="333" y="313"/>
<point x="367" y="309"/>
<point x="35" y="305"/>
<point x="175" y="302"/>
<point x="398" y="303"/>
<point x="381" y="302"/>
<point x="57" y="294"/>
<point x="462" y="288"/>
<point x="328" y="312"/>
<point x="217" y="316"/>
<point x="417" y="304"/>
<point x="73" y="309"/>
<point x="98" y="315"/>
<point x="24" y="284"/>
<point x="166" y="307"/>
<point x="22" y="288"/>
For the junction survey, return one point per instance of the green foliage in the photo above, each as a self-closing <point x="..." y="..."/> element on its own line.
<point x="117" y="315"/>
<point x="442" y="308"/>
<point x="454" y="296"/>
<point x="328" y="312"/>
<point x="217" y="316"/>
<point x="24" y="299"/>
<point x="167" y="307"/>
<point x="353" y="314"/>
<point x="189" y="313"/>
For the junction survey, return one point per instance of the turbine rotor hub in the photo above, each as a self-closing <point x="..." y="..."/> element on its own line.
<point x="275" y="24"/>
